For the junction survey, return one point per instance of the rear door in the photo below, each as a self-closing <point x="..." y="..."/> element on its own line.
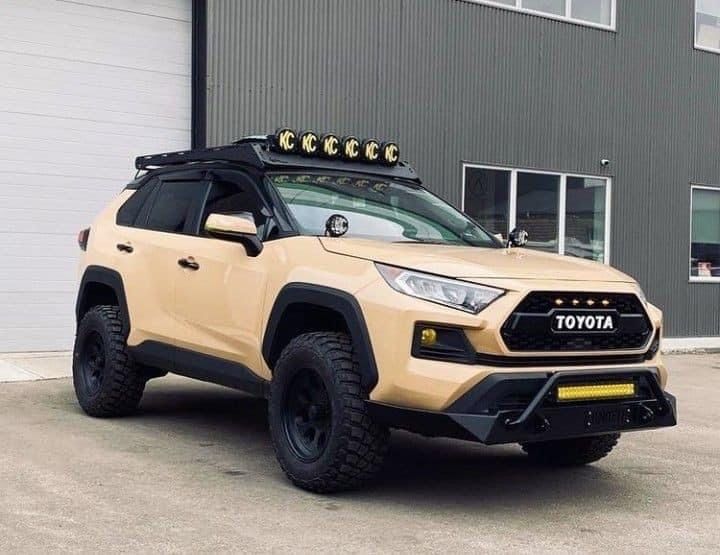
<point x="151" y="251"/>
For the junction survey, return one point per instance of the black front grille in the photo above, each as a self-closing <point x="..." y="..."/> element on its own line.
<point x="529" y="327"/>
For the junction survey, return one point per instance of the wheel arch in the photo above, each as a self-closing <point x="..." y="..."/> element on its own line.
<point x="322" y="309"/>
<point x="100" y="285"/>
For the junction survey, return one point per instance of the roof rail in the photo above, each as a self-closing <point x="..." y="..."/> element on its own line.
<point x="239" y="151"/>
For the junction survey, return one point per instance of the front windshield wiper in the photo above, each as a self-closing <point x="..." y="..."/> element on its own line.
<point x="429" y="242"/>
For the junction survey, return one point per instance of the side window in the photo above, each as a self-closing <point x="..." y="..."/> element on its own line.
<point x="130" y="211"/>
<point x="230" y="198"/>
<point x="177" y="206"/>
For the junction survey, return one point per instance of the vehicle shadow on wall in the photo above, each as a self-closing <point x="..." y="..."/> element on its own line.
<point x="419" y="472"/>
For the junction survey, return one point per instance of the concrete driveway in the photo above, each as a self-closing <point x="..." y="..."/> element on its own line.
<point x="194" y="472"/>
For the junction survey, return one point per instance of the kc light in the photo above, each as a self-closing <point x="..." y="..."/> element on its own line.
<point x="457" y="294"/>
<point x="371" y="150"/>
<point x="390" y="153"/>
<point x="309" y="143"/>
<point x="330" y="145"/>
<point x="351" y="148"/>
<point x="286" y="139"/>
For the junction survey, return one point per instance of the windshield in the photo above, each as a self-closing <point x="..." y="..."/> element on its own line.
<point x="381" y="209"/>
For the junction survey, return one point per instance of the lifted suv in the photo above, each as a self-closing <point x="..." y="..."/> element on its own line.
<point x="319" y="273"/>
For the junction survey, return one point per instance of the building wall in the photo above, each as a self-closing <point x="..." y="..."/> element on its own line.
<point x="453" y="80"/>
<point x="86" y="87"/>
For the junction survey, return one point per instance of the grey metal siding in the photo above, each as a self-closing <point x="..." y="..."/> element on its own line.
<point x="453" y="80"/>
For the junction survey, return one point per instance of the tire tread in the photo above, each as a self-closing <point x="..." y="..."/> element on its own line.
<point x="364" y="443"/>
<point x="123" y="383"/>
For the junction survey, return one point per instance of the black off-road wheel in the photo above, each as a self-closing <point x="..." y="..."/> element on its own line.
<point x="106" y="381"/>
<point x="571" y="452"/>
<point x="322" y="434"/>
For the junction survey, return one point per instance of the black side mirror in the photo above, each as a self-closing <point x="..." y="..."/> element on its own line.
<point x="239" y="227"/>
<point x="517" y="238"/>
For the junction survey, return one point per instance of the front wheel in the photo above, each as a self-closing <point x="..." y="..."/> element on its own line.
<point x="322" y="434"/>
<point x="571" y="452"/>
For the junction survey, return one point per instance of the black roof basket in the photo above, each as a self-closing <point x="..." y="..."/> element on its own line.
<point x="239" y="151"/>
<point x="254" y="151"/>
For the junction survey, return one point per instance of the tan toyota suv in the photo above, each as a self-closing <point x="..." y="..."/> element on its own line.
<point x="317" y="272"/>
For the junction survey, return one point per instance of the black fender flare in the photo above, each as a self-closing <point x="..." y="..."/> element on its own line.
<point x="337" y="300"/>
<point x="110" y="278"/>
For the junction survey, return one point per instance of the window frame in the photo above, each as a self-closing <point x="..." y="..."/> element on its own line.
<point x="695" y="42"/>
<point x="564" y="18"/>
<point x="562" y="199"/>
<point x="190" y="226"/>
<point x="692" y="278"/>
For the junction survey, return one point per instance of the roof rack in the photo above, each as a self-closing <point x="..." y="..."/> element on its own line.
<point x="238" y="151"/>
<point x="257" y="151"/>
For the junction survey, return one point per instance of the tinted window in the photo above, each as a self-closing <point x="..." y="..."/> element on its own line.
<point x="177" y="206"/>
<point x="128" y="213"/>
<point x="486" y="198"/>
<point x="705" y="238"/>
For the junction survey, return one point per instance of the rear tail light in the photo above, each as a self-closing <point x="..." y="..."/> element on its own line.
<point x="83" y="237"/>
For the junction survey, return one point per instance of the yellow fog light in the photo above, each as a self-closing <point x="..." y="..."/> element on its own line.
<point x="595" y="392"/>
<point x="428" y="337"/>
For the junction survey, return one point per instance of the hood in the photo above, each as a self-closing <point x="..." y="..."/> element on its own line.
<point x="476" y="262"/>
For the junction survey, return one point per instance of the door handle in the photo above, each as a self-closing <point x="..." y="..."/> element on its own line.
<point x="124" y="247"/>
<point x="189" y="263"/>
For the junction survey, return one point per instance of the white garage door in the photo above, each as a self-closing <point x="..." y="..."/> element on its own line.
<point x="85" y="86"/>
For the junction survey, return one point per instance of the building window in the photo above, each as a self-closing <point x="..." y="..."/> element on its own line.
<point x="563" y="213"/>
<point x="596" y="13"/>
<point x="705" y="234"/>
<point x="707" y="25"/>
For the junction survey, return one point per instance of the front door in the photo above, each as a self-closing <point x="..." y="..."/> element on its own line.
<point x="220" y="298"/>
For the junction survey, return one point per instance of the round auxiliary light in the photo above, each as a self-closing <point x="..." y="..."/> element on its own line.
<point x="286" y="139"/>
<point x="390" y="153"/>
<point x="330" y="145"/>
<point x="309" y="143"/>
<point x="336" y="225"/>
<point x="370" y="150"/>
<point x="351" y="148"/>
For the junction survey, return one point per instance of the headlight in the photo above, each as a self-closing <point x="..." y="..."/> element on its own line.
<point x="449" y="292"/>
<point x="640" y="293"/>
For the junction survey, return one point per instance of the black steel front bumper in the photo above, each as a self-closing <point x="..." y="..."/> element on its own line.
<point x="522" y="407"/>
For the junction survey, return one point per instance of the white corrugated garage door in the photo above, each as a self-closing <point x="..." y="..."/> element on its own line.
<point x="86" y="86"/>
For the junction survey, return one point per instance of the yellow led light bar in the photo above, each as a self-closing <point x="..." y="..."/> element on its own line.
<point x="595" y="392"/>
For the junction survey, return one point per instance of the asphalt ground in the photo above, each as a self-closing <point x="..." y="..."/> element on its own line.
<point x="194" y="472"/>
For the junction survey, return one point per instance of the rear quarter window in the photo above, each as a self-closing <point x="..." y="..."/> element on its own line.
<point x="130" y="211"/>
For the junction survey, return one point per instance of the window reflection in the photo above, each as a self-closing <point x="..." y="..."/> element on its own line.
<point x="585" y="218"/>
<point x="537" y="209"/>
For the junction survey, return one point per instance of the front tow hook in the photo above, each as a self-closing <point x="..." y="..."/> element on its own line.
<point x="646" y="414"/>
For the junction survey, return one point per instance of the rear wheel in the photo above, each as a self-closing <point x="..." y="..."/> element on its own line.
<point x="106" y="381"/>
<point x="571" y="452"/>
<point x="322" y="434"/>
